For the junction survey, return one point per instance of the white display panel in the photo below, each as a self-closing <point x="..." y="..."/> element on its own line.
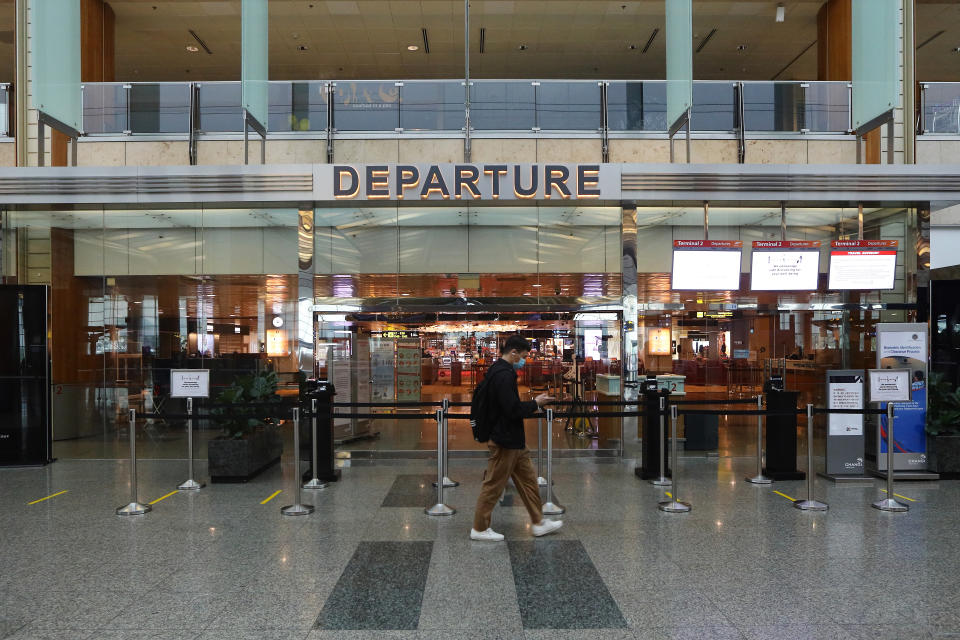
<point x="706" y="270"/>
<point x="788" y="270"/>
<point x="862" y="269"/>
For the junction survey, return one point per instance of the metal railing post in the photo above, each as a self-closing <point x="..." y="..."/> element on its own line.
<point x="675" y="505"/>
<point x="550" y="508"/>
<point x="314" y="482"/>
<point x="759" y="478"/>
<point x="810" y="504"/>
<point x="541" y="481"/>
<point x="663" y="480"/>
<point x="890" y="503"/>
<point x="296" y="509"/>
<point x="447" y="482"/>
<point x="439" y="509"/>
<point x="133" y="508"/>
<point x="190" y="484"/>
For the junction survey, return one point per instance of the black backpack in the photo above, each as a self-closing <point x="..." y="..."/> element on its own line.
<point x="483" y="413"/>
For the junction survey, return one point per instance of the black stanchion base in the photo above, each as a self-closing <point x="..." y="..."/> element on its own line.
<point x="785" y="475"/>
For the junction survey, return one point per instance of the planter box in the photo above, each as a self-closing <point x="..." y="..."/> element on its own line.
<point x="232" y="460"/>
<point x="943" y="455"/>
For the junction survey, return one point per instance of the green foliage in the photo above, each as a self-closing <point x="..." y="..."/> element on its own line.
<point x="943" y="411"/>
<point x="242" y="417"/>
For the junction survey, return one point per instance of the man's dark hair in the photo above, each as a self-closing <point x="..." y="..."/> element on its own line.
<point x="515" y="342"/>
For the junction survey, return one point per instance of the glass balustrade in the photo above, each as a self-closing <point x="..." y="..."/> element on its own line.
<point x="503" y="105"/>
<point x="569" y="106"/>
<point x="4" y="110"/>
<point x="941" y="107"/>
<point x="297" y="106"/>
<point x="637" y="106"/>
<point x="159" y="108"/>
<point x="365" y="105"/>
<point x="432" y="106"/>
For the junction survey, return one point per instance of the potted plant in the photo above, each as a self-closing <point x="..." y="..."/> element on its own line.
<point x="943" y="426"/>
<point x="251" y="439"/>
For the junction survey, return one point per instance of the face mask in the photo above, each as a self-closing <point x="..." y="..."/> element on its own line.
<point x="519" y="365"/>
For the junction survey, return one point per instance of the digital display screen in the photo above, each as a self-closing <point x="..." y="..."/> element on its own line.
<point x="785" y="266"/>
<point x="703" y="265"/>
<point x="863" y="264"/>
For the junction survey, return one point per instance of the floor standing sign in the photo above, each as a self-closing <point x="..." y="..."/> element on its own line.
<point x="903" y="345"/>
<point x="189" y="383"/>
<point x="845" y="434"/>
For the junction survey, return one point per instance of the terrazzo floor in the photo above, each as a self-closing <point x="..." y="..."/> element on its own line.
<point x="223" y="562"/>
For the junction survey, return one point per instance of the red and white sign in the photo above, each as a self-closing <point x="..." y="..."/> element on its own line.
<point x="707" y="244"/>
<point x="863" y="264"/>
<point x="785" y="265"/>
<point x="785" y="244"/>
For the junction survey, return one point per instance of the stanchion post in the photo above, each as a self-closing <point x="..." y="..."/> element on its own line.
<point x="440" y="509"/>
<point x="133" y="508"/>
<point x="447" y="482"/>
<point x="190" y="484"/>
<point x="759" y="478"/>
<point x="675" y="505"/>
<point x="550" y="508"/>
<point x="541" y="481"/>
<point x="890" y="503"/>
<point x="663" y="480"/>
<point x="297" y="509"/>
<point x="314" y="482"/>
<point x="810" y="504"/>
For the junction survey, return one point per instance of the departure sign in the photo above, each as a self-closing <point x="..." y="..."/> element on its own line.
<point x="863" y="264"/>
<point x="785" y="265"/>
<point x="706" y="265"/>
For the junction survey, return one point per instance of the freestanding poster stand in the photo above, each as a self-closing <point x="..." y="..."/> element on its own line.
<point x="190" y="384"/>
<point x="846" y="437"/>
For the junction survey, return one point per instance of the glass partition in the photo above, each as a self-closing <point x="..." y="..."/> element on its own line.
<point x="569" y="106"/>
<point x="827" y="107"/>
<point x="637" y="106"/>
<point x="160" y="108"/>
<point x="503" y="106"/>
<point x="220" y="107"/>
<point x="297" y="106"/>
<point x="105" y="108"/>
<point x="773" y="106"/>
<point x="366" y="106"/>
<point x="941" y="107"/>
<point x="432" y="106"/>
<point x="713" y="106"/>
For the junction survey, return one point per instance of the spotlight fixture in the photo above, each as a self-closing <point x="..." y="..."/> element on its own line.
<point x="522" y="47"/>
<point x="192" y="49"/>
<point x="412" y="47"/>
<point x="781" y="12"/>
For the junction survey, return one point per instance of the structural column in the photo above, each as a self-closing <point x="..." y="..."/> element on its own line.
<point x="628" y="236"/>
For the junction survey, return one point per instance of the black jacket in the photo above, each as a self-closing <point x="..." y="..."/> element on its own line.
<point x="508" y="429"/>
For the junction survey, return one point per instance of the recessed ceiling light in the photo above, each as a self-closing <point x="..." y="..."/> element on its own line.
<point x="192" y="49"/>
<point x="412" y="47"/>
<point x="522" y="47"/>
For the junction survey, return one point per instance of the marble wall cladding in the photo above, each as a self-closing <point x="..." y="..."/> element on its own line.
<point x="831" y="152"/>
<point x="8" y="154"/>
<point x="928" y="152"/>
<point x="622" y="151"/>
<point x="225" y="152"/>
<point x="366" y="151"/>
<point x="157" y="153"/>
<point x="102" y="154"/>
<point x="708" y="151"/>
<point x="430" y="150"/>
<point x="569" y="150"/>
<point x="504" y="150"/>
<point x="776" y="152"/>
<point x="286" y="151"/>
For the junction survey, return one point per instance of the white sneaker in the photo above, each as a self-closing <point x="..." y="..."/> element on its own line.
<point x="488" y="536"/>
<point x="546" y="526"/>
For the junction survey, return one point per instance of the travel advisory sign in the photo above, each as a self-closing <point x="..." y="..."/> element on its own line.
<point x="903" y="345"/>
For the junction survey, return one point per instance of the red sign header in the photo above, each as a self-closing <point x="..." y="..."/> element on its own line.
<point x="707" y="244"/>
<point x="864" y="244"/>
<point x="786" y="244"/>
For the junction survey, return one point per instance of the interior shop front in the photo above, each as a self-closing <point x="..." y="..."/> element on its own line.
<point x="410" y="301"/>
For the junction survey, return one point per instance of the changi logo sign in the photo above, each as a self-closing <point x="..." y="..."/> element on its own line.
<point x="469" y="182"/>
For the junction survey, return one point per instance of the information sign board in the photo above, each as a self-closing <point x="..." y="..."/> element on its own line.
<point x="190" y="383"/>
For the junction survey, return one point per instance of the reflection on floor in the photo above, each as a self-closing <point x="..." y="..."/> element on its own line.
<point x="220" y="564"/>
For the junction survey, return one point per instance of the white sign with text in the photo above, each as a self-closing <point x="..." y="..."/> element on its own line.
<point x="889" y="385"/>
<point x="189" y="383"/>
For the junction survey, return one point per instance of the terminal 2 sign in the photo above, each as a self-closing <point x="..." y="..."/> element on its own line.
<point x="482" y="182"/>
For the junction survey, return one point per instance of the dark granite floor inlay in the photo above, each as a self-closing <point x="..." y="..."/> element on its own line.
<point x="559" y="588"/>
<point x="411" y="490"/>
<point x="381" y="588"/>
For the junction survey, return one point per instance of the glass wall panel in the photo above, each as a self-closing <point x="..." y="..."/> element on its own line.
<point x="298" y="106"/>
<point x="941" y="107"/>
<point x="503" y="106"/>
<point x="713" y="106"/>
<point x="569" y="106"/>
<point x="220" y="107"/>
<point x="160" y="108"/>
<point x="773" y="106"/>
<point x="432" y="106"/>
<point x="637" y="106"/>
<point x="105" y="108"/>
<point x="366" y="106"/>
<point x="827" y="107"/>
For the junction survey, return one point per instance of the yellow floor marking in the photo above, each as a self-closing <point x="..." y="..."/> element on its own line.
<point x="164" y="497"/>
<point x="669" y="495"/>
<point x="272" y="496"/>
<point x="784" y="495"/>
<point x="59" y="493"/>
<point x="900" y="496"/>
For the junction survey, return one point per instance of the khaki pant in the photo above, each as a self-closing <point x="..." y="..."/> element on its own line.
<point x="504" y="464"/>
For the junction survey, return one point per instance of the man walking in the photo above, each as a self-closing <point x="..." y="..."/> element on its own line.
<point x="509" y="457"/>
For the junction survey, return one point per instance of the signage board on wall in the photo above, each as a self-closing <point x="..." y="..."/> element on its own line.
<point x="862" y="264"/>
<point x="786" y="265"/>
<point x="903" y="346"/>
<point x="189" y="383"/>
<point x="706" y="265"/>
